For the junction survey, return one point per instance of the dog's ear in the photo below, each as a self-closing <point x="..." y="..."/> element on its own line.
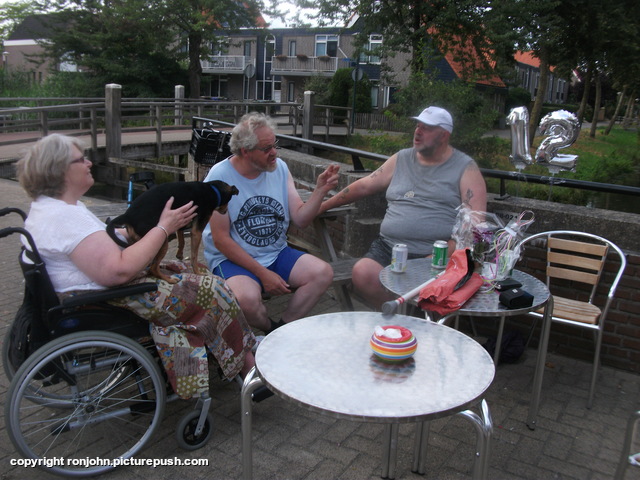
<point x="226" y="191"/>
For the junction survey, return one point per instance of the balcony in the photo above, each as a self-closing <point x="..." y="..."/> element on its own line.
<point x="226" y="64"/>
<point x="304" y="66"/>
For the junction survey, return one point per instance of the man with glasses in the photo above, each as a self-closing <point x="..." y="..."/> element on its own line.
<point x="247" y="246"/>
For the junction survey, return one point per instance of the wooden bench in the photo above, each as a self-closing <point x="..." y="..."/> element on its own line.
<point x="342" y="268"/>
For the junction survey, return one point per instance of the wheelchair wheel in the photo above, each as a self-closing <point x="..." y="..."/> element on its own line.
<point x="6" y="363"/>
<point x="186" y="431"/>
<point x="85" y="398"/>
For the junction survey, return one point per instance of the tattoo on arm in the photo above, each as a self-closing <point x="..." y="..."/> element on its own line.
<point x="468" y="197"/>
<point x="377" y="172"/>
<point x="344" y="193"/>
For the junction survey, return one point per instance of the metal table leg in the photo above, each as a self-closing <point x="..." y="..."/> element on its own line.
<point x="420" y="448"/>
<point x="496" y="353"/>
<point x="390" y="450"/>
<point x="484" y="430"/>
<point x="251" y="382"/>
<point x="540" y="365"/>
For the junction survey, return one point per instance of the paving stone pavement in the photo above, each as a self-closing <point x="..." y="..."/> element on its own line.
<point x="570" y="441"/>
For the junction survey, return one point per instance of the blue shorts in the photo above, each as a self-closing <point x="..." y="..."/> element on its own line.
<point x="283" y="265"/>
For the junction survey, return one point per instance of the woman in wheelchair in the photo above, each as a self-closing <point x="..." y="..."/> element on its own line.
<point x="197" y="312"/>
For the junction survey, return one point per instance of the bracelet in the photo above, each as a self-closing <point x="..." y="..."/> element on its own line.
<point x="164" y="230"/>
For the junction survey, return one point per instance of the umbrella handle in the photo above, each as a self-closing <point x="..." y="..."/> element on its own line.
<point x="390" y="307"/>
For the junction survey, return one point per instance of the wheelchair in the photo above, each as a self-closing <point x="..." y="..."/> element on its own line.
<point x="86" y="380"/>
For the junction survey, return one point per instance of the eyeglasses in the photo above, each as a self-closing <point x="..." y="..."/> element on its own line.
<point x="81" y="159"/>
<point x="268" y="148"/>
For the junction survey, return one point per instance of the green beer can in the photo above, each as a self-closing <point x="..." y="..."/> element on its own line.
<point x="439" y="258"/>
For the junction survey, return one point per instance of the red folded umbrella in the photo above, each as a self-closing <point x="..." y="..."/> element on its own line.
<point x="452" y="288"/>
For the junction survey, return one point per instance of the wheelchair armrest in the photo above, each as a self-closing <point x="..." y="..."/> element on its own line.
<point x="109" y="294"/>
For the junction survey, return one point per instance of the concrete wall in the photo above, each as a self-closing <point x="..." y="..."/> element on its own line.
<point x="621" y="345"/>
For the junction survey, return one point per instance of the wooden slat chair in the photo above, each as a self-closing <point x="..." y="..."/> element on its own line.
<point x="579" y="258"/>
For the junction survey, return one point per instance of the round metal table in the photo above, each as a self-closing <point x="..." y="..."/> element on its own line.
<point x="325" y="364"/>
<point x="482" y="304"/>
<point x="485" y="304"/>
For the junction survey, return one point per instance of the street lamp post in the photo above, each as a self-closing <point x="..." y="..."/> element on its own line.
<point x="5" y="59"/>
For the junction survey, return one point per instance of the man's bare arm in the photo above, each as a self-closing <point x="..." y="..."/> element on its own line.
<point x="473" y="188"/>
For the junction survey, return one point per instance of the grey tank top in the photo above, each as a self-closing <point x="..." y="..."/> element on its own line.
<point x="422" y="201"/>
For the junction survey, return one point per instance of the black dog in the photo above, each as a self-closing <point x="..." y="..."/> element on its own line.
<point x="144" y="214"/>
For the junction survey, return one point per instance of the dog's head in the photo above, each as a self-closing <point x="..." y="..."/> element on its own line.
<point x="226" y="191"/>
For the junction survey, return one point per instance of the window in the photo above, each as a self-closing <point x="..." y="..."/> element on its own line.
<point x="327" y="45"/>
<point x="560" y="92"/>
<point x="269" y="48"/>
<point x="374" y="96"/>
<point x="246" y="88"/>
<point x="291" y="92"/>
<point x="292" y="48"/>
<point x="67" y="64"/>
<point x="375" y="42"/>
<point x="218" y="48"/>
<point x="388" y="93"/>
<point x="218" y="86"/>
<point x="525" y="78"/>
<point x="247" y="48"/>
<point x="264" y="90"/>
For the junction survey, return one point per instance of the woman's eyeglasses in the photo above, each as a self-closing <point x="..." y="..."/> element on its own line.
<point x="268" y="148"/>
<point x="81" y="159"/>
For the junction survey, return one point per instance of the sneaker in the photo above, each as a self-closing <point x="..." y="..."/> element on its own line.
<point x="261" y="393"/>
<point x="274" y="325"/>
<point x="259" y="339"/>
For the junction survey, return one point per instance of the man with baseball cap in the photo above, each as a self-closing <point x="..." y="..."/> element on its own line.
<point x="424" y="185"/>
<point x="436" y="117"/>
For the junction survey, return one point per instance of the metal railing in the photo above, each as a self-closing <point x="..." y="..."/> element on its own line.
<point x="357" y="155"/>
<point x="87" y="117"/>
<point x="283" y="65"/>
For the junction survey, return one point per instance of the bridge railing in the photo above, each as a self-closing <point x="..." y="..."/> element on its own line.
<point x="35" y="118"/>
<point x="358" y="155"/>
<point x="87" y="116"/>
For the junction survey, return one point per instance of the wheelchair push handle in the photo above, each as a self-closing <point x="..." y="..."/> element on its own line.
<point x="5" y="232"/>
<point x="8" y="210"/>
<point x="32" y="251"/>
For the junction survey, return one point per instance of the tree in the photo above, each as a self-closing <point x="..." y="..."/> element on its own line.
<point x="131" y="41"/>
<point x="126" y="42"/>
<point x="421" y="29"/>
<point x="529" y="26"/>
<point x="200" y="21"/>
<point x="622" y="50"/>
<point x="341" y="91"/>
<point x="472" y="114"/>
<point x="12" y="13"/>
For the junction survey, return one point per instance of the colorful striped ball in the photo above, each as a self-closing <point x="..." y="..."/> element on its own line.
<point x="394" y="349"/>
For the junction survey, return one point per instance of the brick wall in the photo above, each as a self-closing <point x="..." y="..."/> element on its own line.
<point x="621" y="338"/>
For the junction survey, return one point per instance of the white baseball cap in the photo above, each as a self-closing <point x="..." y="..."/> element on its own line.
<point x="437" y="117"/>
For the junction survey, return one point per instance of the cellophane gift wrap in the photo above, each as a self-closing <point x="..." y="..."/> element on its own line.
<point x="494" y="245"/>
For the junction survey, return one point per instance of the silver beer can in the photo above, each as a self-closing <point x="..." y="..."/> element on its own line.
<point x="399" y="257"/>
<point x="439" y="257"/>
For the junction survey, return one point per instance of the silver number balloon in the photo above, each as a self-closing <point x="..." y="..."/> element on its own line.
<point x="518" y="119"/>
<point x="561" y="129"/>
